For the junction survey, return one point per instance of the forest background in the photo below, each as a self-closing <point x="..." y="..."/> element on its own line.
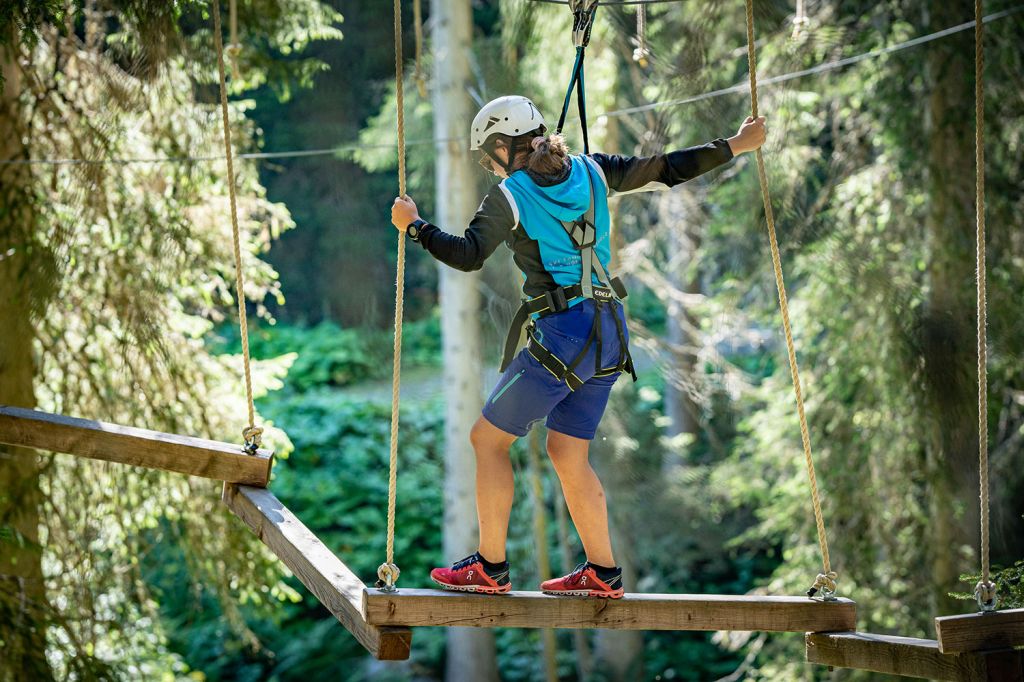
<point x="117" y="304"/>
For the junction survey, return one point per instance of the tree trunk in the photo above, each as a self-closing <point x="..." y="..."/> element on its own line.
<point x="584" y="666"/>
<point x="471" y="653"/>
<point x="947" y="336"/>
<point x="540" y="541"/>
<point x="680" y="212"/>
<point x="23" y="606"/>
<point x="619" y="651"/>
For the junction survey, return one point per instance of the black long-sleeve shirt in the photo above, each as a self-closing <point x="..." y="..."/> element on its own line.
<point x="495" y="220"/>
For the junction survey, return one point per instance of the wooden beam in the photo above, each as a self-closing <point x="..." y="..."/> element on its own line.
<point x="331" y="581"/>
<point x="910" y="657"/>
<point x="980" y="631"/>
<point x="137" y="447"/>
<point x="413" y="607"/>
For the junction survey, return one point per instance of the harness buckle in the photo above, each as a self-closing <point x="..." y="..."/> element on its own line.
<point x="556" y="300"/>
<point x="584" y="235"/>
<point x="618" y="287"/>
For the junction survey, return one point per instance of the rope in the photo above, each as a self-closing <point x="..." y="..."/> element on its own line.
<point x="825" y="582"/>
<point x="334" y="151"/>
<point x="985" y="590"/>
<point x="641" y="53"/>
<point x="388" y="572"/>
<point x="252" y="434"/>
<point x="799" y="19"/>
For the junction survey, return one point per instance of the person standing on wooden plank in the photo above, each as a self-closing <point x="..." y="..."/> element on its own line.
<point x="551" y="210"/>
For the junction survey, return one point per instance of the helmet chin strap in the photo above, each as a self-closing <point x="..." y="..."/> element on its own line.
<point x="514" y="147"/>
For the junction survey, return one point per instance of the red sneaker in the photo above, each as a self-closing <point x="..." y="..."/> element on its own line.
<point x="469" y="575"/>
<point x="584" y="582"/>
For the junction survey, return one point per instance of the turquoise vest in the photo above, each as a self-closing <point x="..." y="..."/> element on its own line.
<point x="540" y="211"/>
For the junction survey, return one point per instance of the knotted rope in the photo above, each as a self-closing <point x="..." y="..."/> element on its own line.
<point x="251" y="434"/>
<point x="825" y="582"/>
<point x="642" y="52"/>
<point x="388" y="572"/>
<point x="985" y="590"/>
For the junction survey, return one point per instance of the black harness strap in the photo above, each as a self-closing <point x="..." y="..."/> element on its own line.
<point x="582" y="24"/>
<point x="554" y="301"/>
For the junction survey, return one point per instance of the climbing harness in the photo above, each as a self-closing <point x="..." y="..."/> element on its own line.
<point x="582" y="23"/>
<point x="582" y="232"/>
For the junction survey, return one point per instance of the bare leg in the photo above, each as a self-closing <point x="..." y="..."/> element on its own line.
<point x="584" y="495"/>
<point x="494" y="487"/>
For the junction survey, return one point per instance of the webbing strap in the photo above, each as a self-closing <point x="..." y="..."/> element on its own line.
<point x="583" y="12"/>
<point x="583" y="234"/>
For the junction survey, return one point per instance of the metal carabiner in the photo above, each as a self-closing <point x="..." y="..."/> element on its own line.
<point x="583" y="20"/>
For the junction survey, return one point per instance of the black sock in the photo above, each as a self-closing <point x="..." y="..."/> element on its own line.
<point x="492" y="567"/>
<point x="605" y="572"/>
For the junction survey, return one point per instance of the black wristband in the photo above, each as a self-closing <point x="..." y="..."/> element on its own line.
<point x="413" y="229"/>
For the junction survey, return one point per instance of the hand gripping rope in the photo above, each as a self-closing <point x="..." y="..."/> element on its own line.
<point x="825" y="583"/>
<point x="582" y="23"/>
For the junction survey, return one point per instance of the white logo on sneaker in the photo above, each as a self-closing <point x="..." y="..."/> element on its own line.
<point x="584" y="580"/>
<point x="469" y="576"/>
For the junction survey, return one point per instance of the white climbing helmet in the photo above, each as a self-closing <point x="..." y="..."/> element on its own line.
<point x="511" y="115"/>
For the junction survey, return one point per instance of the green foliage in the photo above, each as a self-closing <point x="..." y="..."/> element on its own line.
<point x="1009" y="586"/>
<point x="336" y="482"/>
<point x="328" y="356"/>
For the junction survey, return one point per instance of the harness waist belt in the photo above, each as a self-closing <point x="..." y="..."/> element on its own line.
<point x="554" y="301"/>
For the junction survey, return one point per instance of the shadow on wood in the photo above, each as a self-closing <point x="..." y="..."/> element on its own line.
<point x="136" y="447"/>
<point x="980" y="631"/>
<point x="411" y="607"/>
<point x="910" y="657"/>
<point x="337" y="587"/>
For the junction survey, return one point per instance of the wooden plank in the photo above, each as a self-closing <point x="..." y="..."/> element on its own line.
<point x="980" y="631"/>
<point x="331" y="581"/>
<point x="137" y="447"/>
<point x="910" y="657"/>
<point x="413" y="607"/>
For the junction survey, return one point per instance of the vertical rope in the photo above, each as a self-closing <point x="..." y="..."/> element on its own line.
<point x="641" y="52"/>
<point x="985" y="590"/>
<point x="252" y="433"/>
<point x="799" y="19"/>
<point x="388" y="572"/>
<point x="826" y="580"/>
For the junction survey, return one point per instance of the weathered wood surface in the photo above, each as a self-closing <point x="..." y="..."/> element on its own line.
<point x="337" y="587"/>
<point x="413" y="607"/>
<point x="980" y="631"/>
<point x="137" y="447"/>
<point x="910" y="657"/>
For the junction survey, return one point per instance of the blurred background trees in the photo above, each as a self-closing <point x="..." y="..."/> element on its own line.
<point x="117" y="304"/>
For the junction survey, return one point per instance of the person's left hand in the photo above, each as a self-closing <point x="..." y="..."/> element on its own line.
<point x="750" y="136"/>
<point x="403" y="212"/>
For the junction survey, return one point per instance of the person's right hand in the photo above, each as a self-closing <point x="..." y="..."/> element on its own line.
<point x="403" y="212"/>
<point x="749" y="137"/>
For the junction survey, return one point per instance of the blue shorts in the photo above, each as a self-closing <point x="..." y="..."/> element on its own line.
<point x="527" y="392"/>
